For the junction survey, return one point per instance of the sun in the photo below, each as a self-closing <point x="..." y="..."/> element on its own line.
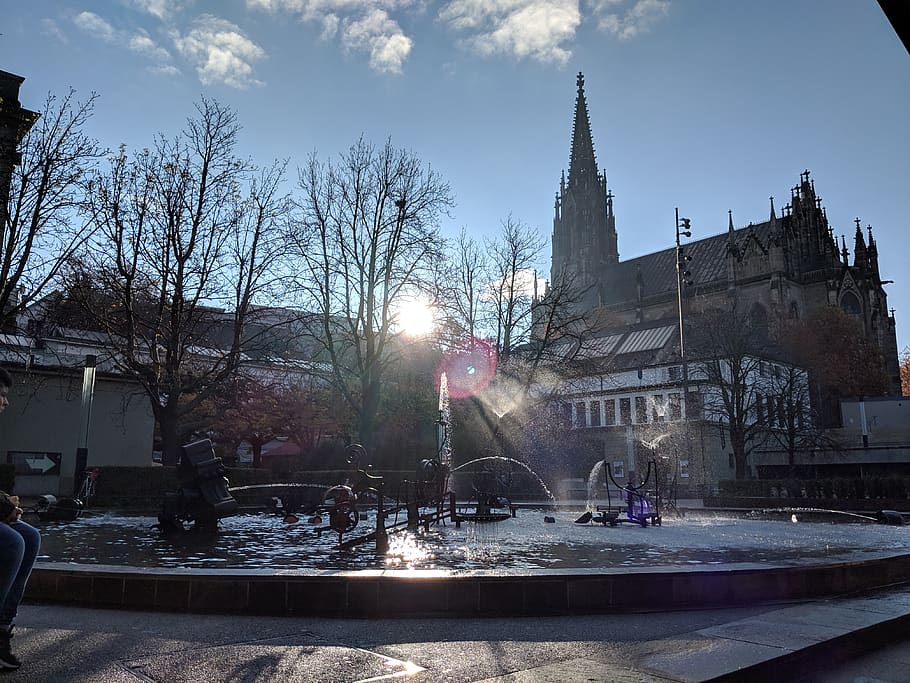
<point x="416" y="317"/>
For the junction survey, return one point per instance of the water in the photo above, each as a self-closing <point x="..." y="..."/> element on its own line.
<point x="510" y="461"/>
<point x="525" y="542"/>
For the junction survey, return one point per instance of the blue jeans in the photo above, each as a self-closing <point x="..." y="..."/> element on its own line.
<point x="19" y="543"/>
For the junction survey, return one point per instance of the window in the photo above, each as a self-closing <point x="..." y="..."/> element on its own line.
<point x="675" y="407"/>
<point x="800" y="420"/>
<point x="850" y="304"/>
<point x="693" y="406"/>
<point x="566" y="414"/>
<point x="595" y="413"/>
<point x="731" y="462"/>
<point x="580" y="415"/>
<point x="619" y="469"/>
<point x="771" y="415"/>
<point x="658" y="408"/>
<point x="673" y="373"/>
<point x="625" y="410"/>
<point x="759" y="409"/>
<point x="610" y="412"/>
<point x="781" y="411"/>
<point x="684" y="469"/>
<point x="641" y="410"/>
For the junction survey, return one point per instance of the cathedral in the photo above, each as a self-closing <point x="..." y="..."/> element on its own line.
<point x="787" y="266"/>
<point x="635" y="390"/>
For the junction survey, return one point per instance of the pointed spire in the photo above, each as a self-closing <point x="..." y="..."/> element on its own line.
<point x="773" y="215"/>
<point x="859" y="243"/>
<point x="582" y="163"/>
<point x="845" y="255"/>
<point x="730" y="225"/>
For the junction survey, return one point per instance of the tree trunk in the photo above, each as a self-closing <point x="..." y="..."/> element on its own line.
<point x="256" y="445"/>
<point x="170" y="438"/>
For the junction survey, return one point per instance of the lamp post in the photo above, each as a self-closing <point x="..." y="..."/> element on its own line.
<point x="85" y="421"/>
<point x="683" y="229"/>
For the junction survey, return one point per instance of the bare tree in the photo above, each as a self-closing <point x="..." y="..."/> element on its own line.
<point x="186" y="243"/>
<point x="533" y="334"/>
<point x="44" y="223"/>
<point x="513" y="286"/>
<point x="730" y="347"/>
<point x="367" y="239"/>
<point x="788" y="412"/>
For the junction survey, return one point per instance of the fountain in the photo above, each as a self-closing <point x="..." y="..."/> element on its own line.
<point x="424" y="566"/>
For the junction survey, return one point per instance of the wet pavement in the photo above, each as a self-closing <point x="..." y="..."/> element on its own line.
<point x="859" y="638"/>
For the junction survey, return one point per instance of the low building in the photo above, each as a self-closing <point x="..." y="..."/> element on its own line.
<point x="51" y="416"/>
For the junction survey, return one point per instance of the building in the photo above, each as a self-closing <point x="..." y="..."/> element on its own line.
<point x="785" y="267"/>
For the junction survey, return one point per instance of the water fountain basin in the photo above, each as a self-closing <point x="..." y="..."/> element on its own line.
<point x="793" y="573"/>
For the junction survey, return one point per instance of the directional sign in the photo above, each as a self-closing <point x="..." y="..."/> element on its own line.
<point x="29" y="463"/>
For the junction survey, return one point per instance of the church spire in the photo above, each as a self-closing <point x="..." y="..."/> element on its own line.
<point x="582" y="164"/>
<point x="859" y="247"/>
<point x="584" y="227"/>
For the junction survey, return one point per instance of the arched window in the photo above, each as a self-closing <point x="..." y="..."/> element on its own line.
<point x="794" y="311"/>
<point x="850" y="303"/>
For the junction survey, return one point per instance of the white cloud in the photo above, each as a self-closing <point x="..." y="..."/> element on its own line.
<point x="220" y="51"/>
<point x="361" y="25"/>
<point x="382" y="37"/>
<point x="139" y="42"/>
<point x="165" y="70"/>
<point x="49" y="27"/>
<point x="535" y="29"/>
<point x="635" y="20"/>
<point x="161" y="9"/>
<point x="91" y="23"/>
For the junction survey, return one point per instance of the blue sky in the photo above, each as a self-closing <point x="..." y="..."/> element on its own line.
<point x="707" y="105"/>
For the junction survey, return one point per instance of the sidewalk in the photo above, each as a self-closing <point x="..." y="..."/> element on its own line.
<point x="807" y="642"/>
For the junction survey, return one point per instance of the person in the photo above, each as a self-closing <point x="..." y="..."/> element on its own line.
<point x="19" y="543"/>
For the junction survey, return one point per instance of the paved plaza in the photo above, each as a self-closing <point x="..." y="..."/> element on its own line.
<point x="861" y="638"/>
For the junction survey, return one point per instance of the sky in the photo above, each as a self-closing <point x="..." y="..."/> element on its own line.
<point x="704" y="105"/>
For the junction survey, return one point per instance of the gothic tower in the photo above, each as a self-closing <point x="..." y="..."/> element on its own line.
<point x="584" y="228"/>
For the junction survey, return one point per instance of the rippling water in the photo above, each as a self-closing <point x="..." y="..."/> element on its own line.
<point x="524" y="542"/>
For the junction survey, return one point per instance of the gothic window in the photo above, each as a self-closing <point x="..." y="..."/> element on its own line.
<point x="794" y="311"/>
<point x="850" y="303"/>
<point x="759" y="409"/>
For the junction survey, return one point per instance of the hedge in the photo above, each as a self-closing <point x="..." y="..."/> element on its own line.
<point x="836" y="488"/>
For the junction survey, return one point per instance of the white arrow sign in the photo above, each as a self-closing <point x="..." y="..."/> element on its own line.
<point x="43" y="463"/>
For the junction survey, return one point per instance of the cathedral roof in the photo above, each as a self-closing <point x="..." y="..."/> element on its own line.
<point x="658" y="269"/>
